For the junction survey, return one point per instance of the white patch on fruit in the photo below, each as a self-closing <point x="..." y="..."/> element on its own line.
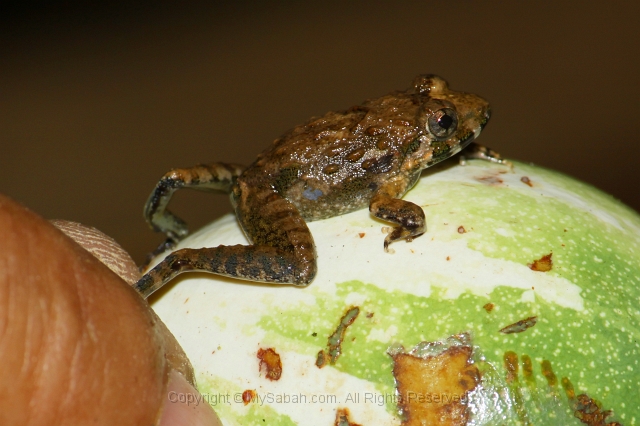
<point x="355" y="299"/>
<point x="381" y="335"/>
<point x="528" y="296"/>
<point x="503" y="232"/>
<point x="421" y="265"/>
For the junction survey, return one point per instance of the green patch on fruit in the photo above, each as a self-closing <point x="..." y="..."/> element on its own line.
<point x="596" y="352"/>
<point x="520" y="225"/>
<point x="599" y="257"/>
<point x="626" y="216"/>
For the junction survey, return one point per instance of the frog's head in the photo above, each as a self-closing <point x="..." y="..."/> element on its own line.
<point x="448" y="120"/>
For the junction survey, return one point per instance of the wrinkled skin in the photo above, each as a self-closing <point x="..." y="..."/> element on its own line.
<point x="369" y="155"/>
<point x="77" y="345"/>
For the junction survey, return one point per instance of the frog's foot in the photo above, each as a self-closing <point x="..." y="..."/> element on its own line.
<point x="409" y="217"/>
<point x="209" y="177"/>
<point x="399" y="233"/>
<point x="480" y="152"/>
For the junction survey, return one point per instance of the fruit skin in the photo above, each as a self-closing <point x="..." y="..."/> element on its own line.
<point x="486" y="226"/>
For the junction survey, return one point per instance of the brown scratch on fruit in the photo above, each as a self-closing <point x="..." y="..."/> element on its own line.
<point x="343" y="418"/>
<point x="492" y="180"/>
<point x="321" y="359"/>
<point x="568" y="388"/>
<point x="548" y="373"/>
<point x="587" y="410"/>
<point x="433" y="389"/>
<point x="270" y="363"/>
<point x="511" y="365"/>
<point x="248" y="396"/>
<point x="544" y="264"/>
<point x="334" y="343"/>
<point x="488" y="306"/>
<point x="527" y="369"/>
<point x="526" y="181"/>
<point x="520" y="326"/>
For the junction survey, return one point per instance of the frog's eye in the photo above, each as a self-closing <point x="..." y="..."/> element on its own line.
<point x="443" y="123"/>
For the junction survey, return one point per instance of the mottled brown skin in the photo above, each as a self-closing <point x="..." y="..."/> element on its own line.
<point x="369" y="155"/>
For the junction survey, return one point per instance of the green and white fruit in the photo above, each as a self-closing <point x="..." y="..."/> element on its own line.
<point x="486" y="224"/>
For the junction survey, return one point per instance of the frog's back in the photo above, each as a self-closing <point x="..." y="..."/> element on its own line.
<point x="332" y="164"/>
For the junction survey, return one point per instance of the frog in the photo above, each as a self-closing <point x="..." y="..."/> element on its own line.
<point x="369" y="155"/>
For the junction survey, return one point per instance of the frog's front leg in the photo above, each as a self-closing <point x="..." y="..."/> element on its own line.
<point x="209" y="177"/>
<point x="282" y="249"/>
<point x="409" y="216"/>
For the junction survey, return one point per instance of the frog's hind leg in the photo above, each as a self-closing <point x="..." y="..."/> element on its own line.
<point x="210" y="177"/>
<point x="282" y="251"/>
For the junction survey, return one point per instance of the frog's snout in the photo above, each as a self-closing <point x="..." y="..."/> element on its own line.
<point x="484" y="119"/>
<point x="487" y="115"/>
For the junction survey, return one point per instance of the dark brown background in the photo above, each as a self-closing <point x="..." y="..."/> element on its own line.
<point x="97" y="102"/>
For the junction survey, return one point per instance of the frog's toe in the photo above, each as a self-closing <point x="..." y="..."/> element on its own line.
<point x="401" y="233"/>
<point x="306" y="274"/>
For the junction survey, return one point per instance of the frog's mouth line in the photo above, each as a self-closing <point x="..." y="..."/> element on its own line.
<point x="470" y="136"/>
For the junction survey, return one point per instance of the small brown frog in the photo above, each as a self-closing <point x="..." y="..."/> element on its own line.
<point x="369" y="155"/>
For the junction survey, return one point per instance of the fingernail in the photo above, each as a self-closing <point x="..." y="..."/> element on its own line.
<point x="183" y="405"/>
